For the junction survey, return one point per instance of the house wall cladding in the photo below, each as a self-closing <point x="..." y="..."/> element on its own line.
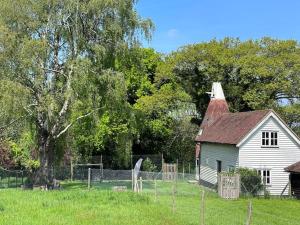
<point x="253" y="155"/>
<point x="210" y="153"/>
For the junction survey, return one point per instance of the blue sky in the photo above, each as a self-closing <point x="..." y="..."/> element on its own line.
<point x="181" y="22"/>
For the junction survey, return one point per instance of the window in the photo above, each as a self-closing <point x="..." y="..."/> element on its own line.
<point x="269" y="138"/>
<point x="219" y="166"/>
<point x="265" y="175"/>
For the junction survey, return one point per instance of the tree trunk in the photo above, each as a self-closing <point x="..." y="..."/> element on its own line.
<point x="44" y="174"/>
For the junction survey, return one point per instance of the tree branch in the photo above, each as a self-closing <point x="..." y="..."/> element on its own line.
<point x="66" y="103"/>
<point x="71" y="124"/>
<point x="12" y="122"/>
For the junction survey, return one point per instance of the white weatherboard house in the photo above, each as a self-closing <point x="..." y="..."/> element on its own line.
<point x="259" y="140"/>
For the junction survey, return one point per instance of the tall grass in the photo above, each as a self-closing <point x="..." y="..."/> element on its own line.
<point x="76" y="205"/>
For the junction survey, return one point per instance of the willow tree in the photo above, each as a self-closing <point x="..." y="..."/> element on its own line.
<point x="45" y="45"/>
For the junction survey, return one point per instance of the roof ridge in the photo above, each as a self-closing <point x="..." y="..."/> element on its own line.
<point x="228" y="119"/>
<point x="259" y="110"/>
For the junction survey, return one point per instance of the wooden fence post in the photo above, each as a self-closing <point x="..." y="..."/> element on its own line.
<point x="141" y="185"/>
<point x="132" y="180"/>
<point x="155" y="186"/>
<point x="16" y="179"/>
<point x="173" y="197"/>
<point x="71" y="170"/>
<point x="202" y="205"/>
<point x="89" y="179"/>
<point x="183" y="170"/>
<point x="22" y="178"/>
<point x="249" y="214"/>
<point x="176" y="170"/>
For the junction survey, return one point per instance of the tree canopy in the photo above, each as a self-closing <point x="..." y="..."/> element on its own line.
<point x="52" y="50"/>
<point x="255" y="74"/>
<point x="75" y="81"/>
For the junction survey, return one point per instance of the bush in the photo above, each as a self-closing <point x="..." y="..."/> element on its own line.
<point x="148" y="165"/>
<point x="6" y="157"/>
<point x="250" y="181"/>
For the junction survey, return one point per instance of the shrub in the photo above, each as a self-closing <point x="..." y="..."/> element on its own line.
<point x="250" y="181"/>
<point x="148" y="165"/>
<point x="6" y="157"/>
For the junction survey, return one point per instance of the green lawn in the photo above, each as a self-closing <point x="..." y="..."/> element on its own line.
<point x="76" y="205"/>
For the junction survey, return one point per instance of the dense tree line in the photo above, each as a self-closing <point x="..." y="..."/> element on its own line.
<point x="76" y="82"/>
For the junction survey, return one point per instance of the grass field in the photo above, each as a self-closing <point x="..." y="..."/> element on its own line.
<point x="76" y="205"/>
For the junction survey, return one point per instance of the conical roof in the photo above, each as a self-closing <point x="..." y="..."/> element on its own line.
<point x="216" y="107"/>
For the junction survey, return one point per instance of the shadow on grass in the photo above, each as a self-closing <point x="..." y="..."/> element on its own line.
<point x="74" y="185"/>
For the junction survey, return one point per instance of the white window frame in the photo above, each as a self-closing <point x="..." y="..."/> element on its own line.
<point x="261" y="171"/>
<point x="266" y="135"/>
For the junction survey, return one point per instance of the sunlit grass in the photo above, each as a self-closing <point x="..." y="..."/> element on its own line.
<point x="74" y="204"/>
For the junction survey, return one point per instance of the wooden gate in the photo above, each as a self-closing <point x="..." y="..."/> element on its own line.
<point x="169" y="171"/>
<point x="229" y="186"/>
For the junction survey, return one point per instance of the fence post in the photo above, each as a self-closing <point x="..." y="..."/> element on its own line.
<point x="173" y="198"/>
<point x="155" y="186"/>
<point x="141" y="185"/>
<point x="132" y="180"/>
<point x="249" y="214"/>
<point x="176" y="170"/>
<point x="189" y="168"/>
<point x="89" y="179"/>
<point x="72" y="170"/>
<point x="183" y="170"/>
<point x="202" y="204"/>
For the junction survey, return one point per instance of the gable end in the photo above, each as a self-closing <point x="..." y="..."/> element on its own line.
<point x="280" y="122"/>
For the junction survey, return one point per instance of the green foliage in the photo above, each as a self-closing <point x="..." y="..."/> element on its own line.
<point x="111" y="129"/>
<point x="250" y="181"/>
<point x="73" y="76"/>
<point x="62" y="53"/>
<point x="6" y="157"/>
<point x="139" y="67"/>
<point x="23" y="151"/>
<point x="148" y="165"/>
<point x="255" y="74"/>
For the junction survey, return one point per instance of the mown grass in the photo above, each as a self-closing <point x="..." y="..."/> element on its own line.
<point x="77" y="205"/>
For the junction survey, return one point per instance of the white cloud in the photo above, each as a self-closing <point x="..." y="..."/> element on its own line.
<point x="173" y="33"/>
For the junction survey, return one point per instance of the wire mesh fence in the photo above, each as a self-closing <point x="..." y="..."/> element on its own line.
<point x="11" y="178"/>
<point x="182" y="196"/>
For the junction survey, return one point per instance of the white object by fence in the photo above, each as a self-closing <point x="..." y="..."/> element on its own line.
<point x="137" y="187"/>
<point x="229" y="186"/>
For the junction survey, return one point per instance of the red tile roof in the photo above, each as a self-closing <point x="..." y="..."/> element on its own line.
<point x="215" y="109"/>
<point x="231" y="128"/>
<point x="294" y="168"/>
